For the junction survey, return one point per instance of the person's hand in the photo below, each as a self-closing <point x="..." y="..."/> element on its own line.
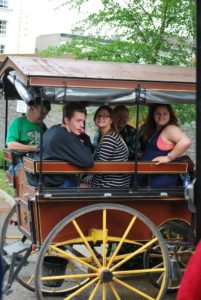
<point x="161" y="159"/>
<point x="83" y="185"/>
<point x="32" y="148"/>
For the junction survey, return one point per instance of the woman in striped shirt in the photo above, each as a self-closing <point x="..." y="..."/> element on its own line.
<point x="111" y="148"/>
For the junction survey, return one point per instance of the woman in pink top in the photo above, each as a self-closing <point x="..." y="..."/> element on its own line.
<point x="163" y="142"/>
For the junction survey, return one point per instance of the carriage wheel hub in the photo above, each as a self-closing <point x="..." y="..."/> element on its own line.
<point x="106" y="275"/>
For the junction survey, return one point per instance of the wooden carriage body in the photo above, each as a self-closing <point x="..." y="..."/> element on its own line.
<point x="39" y="212"/>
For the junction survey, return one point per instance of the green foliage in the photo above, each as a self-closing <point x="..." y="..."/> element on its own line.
<point x="1" y="158"/>
<point x="4" y="185"/>
<point x="152" y="32"/>
<point x="155" y="32"/>
<point x="186" y="113"/>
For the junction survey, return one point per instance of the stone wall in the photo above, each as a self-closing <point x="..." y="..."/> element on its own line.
<point x="11" y="115"/>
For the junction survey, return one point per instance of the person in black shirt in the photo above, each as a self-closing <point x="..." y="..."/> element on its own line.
<point x="62" y="142"/>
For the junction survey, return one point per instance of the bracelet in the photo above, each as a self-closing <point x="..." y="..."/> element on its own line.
<point x="170" y="157"/>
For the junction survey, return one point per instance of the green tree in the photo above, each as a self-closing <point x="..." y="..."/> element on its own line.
<point x="154" y="32"/>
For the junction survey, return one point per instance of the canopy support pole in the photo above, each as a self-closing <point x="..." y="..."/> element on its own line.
<point x="198" y="127"/>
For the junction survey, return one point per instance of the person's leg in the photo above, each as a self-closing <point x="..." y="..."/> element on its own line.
<point x="68" y="183"/>
<point x="13" y="168"/>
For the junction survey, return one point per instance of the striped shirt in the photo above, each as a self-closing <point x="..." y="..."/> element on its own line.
<point x="111" y="148"/>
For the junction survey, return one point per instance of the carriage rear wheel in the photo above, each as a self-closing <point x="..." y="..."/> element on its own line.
<point x="180" y="240"/>
<point x="93" y="257"/>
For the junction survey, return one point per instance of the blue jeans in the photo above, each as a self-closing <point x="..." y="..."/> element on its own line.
<point x="68" y="183"/>
<point x="13" y="169"/>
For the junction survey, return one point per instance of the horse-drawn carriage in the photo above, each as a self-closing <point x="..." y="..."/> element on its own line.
<point x="107" y="243"/>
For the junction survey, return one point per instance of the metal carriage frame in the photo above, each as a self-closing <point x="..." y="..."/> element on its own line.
<point x="113" y="226"/>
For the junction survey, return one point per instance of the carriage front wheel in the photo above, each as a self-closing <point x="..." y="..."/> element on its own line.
<point x="97" y="252"/>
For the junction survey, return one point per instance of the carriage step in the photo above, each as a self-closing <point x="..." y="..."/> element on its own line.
<point x="16" y="248"/>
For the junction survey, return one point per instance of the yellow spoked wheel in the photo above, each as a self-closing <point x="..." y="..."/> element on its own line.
<point x="94" y="262"/>
<point x="180" y="240"/>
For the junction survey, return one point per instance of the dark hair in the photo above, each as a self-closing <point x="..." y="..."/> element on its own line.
<point x="119" y="108"/>
<point x="110" y="112"/>
<point x="37" y="102"/>
<point x="70" y="108"/>
<point x="106" y="107"/>
<point x="148" y="129"/>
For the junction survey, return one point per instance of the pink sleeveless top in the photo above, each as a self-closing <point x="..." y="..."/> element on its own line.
<point x="162" y="145"/>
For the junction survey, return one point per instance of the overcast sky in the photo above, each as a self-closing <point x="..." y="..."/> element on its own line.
<point x="46" y="20"/>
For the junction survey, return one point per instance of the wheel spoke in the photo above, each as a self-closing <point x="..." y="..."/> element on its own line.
<point x="59" y="277"/>
<point x="159" y="280"/>
<point x="72" y="257"/>
<point x="122" y="240"/>
<point x="31" y="279"/>
<point x="114" y="291"/>
<point x="86" y="243"/>
<point x="95" y="290"/>
<point x="104" y="291"/>
<point x="71" y="296"/>
<point x="104" y="237"/>
<point x="145" y="246"/>
<point x="128" y="286"/>
<point x="158" y="265"/>
<point x="140" y="271"/>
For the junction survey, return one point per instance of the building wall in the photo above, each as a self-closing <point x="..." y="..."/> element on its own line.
<point x="18" y="38"/>
<point x="47" y="40"/>
<point x="55" y="39"/>
<point x="6" y="14"/>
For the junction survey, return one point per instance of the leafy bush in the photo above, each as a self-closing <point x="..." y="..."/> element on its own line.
<point x="4" y="185"/>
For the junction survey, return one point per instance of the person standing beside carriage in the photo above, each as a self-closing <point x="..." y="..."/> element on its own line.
<point x="163" y="142"/>
<point x="24" y="132"/>
<point x="110" y="148"/>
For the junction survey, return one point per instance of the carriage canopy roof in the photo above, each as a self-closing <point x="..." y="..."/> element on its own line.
<point x="61" y="80"/>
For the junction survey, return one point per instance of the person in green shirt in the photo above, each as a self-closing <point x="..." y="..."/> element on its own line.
<point x="24" y="132"/>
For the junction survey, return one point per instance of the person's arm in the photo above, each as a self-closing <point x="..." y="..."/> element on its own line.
<point x="85" y="139"/>
<point x="19" y="147"/>
<point x="70" y="149"/>
<point x="182" y="142"/>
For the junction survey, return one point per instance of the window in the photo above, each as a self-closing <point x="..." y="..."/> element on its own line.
<point x="3" y="27"/>
<point x="2" y="49"/>
<point x="3" y="3"/>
